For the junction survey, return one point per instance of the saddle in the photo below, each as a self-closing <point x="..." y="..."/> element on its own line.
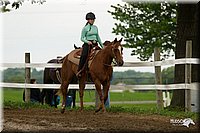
<point x="74" y="56"/>
<point x="91" y="54"/>
<point x="60" y="61"/>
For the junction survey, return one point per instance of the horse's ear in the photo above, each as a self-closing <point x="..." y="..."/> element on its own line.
<point x="115" y="40"/>
<point x="120" y="40"/>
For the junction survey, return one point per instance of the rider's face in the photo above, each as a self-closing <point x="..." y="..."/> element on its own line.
<point x="91" y="21"/>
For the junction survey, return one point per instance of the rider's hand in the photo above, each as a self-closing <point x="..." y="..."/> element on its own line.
<point x="97" y="48"/>
<point x="90" y="43"/>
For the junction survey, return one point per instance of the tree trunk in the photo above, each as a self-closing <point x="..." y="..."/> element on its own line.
<point x="187" y="26"/>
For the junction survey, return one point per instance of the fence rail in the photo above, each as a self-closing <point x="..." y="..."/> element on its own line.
<point x="187" y="86"/>
<point x="114" y="88"/>
<point x="126" y="64"/>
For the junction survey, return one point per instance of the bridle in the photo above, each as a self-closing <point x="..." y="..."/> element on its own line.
<point x="114" y="57"/>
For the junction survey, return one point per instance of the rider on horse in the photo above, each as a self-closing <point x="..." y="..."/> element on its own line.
<point x="90" y="37"/>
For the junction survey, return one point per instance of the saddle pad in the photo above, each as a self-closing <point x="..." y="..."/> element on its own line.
<point x="76" y="60"/>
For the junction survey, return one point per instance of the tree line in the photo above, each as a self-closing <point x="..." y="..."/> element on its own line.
<point x="17" y="75"/>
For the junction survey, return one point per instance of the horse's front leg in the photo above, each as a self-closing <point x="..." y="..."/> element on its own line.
<point x="82" y="81"/>
<point x="106" y="87"/>
<point x="98" y="89"/>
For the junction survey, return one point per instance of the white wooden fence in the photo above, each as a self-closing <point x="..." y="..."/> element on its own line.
<point x="191" y="86"/>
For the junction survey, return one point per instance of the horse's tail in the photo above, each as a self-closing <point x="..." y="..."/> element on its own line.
<point x="58" y="76"/>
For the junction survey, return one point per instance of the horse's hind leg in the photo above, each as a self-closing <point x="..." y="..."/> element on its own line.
<point x="82" y="81"/>
<point x="64" y="88"/>
<point x="106" y="87"/>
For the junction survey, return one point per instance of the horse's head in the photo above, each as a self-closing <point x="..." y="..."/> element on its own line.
<point x="117" y="51"/>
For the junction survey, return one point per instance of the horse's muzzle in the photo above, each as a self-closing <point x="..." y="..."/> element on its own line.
<point x="120" y="63"/>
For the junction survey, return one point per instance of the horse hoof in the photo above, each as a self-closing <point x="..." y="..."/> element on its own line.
<point x="62" y="111"/>
<point x="97" y="110"/>
<point x="104" y="111"/>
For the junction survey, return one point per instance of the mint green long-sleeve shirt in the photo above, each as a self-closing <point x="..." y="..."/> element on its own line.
<point x="90" y="34"/>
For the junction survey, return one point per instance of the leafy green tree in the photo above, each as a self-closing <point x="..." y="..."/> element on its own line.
<point x="38" y="75"/>
<point x="17" y="75"/>
<point x="7" y="5"/>
<point x="146" y="26"/>
<point x="14" y="75"/>
<point x="132" y="77"/>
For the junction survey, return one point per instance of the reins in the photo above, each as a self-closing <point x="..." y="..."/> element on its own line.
<point x="115" y="64"/>
<point x="112" y="60"/>
<point x="108" y="65"/>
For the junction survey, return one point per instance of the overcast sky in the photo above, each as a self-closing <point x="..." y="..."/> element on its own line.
<point x="51" y="29"/>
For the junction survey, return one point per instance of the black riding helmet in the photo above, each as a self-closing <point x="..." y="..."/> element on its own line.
<point x="90" y="15"/>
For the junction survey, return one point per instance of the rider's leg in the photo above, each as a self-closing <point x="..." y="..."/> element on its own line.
<point x="83" y="58"/>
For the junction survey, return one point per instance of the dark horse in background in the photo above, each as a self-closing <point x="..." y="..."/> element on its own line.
<point x="52" y="76"/>
<point x="100" y="71"/>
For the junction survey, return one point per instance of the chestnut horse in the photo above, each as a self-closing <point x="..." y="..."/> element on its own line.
<point x="100" y="72"/>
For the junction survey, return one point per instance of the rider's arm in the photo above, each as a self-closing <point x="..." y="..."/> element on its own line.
<point x="83" y="35"/>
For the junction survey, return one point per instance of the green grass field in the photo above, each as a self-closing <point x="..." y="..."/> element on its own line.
<point x="89" y="96"/>
<point x="14" y="95"/>
<point x="13" y="99"/>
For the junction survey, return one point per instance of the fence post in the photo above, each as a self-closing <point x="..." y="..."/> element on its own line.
<point x="188" y="76"/>
<point x="158" y="78"/>
<point x="27" y="77"/>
